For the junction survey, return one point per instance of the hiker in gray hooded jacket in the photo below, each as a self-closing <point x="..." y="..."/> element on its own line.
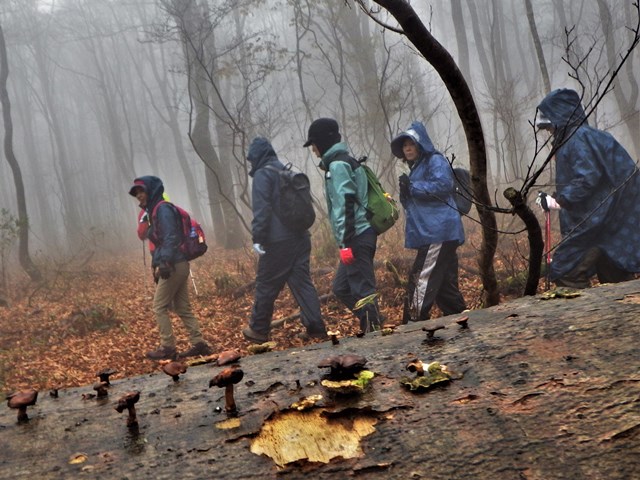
<point x="283" y="253"/>
<point x="433" y="226"/>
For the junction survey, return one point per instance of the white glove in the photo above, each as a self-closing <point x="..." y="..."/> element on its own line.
<point x="547" y="202"/>
<point x="259" y="249"/>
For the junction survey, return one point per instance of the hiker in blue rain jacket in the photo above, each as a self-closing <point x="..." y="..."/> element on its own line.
<point x="433" y="226"/>
<point x="346" y="195"/>
<point x="170" y="271"/>
<point x="283" y="253"/>
<point x="598" y="197"/>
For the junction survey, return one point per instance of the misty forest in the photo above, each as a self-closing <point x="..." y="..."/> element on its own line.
<point x="98" y="92"/>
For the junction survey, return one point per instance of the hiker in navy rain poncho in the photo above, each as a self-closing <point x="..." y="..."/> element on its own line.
<point x="284" y="254"/>
<point x="598" y="196"/>
<point x="433" y="226"/>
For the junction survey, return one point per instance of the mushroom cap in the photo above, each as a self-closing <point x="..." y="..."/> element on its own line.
<point x="228" y="356"/>
<point x="347" y="362"/>
<point x="23" y="398"/>
<point x="105" y="374"/>
<point x="127" y="400"/>
<point x="433" y="328"/>
<point x="228" y="376"/>
<point x="415" y="365"/>
<point x="174" y="368"/>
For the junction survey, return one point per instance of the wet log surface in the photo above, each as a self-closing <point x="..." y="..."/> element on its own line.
<point x="550" y="389"/>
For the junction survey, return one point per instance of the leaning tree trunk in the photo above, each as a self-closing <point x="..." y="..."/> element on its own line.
<point x="441" y="60"/>
<point x="23" y="235"/>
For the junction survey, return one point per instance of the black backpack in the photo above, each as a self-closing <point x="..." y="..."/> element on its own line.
<point x="462" y="180"/>
<point x="295" y="205"/>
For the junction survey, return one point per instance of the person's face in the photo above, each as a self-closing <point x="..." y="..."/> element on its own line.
<point x="315" y="150"/>
<point x="410" y="150"/>
<point x="141" y="195"/>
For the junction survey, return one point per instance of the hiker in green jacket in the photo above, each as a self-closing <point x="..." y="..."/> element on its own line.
<point x="346" y="196"/>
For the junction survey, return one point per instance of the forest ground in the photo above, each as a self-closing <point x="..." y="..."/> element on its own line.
<point x="95" y="313"/>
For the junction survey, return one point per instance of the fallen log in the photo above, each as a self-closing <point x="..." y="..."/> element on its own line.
<point x="547" y="389"/>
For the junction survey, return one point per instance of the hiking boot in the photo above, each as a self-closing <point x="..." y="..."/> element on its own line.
<point x="254" y="336"/>
<point x="200" y="348"/>
<point x="306" y="336"/>
<point x="163" y="353"/>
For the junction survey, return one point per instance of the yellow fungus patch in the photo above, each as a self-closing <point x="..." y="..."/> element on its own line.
<point x="309" y="435"/>
<point x="228" y="424"/>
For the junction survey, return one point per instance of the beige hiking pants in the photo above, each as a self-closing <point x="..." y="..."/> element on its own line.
<point x="175" y="289"/>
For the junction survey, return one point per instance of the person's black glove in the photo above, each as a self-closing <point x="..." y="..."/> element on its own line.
<point x="164" y="271"/>
<point x="405" y="185"/>
<point x="546" y="202"/>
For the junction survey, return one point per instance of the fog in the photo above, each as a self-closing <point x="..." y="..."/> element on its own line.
<point x="103" y="91"/>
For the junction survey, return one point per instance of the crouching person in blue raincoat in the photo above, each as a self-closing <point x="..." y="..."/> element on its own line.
<point x="598" y="197"/>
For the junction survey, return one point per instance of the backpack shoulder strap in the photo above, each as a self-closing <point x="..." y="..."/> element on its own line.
<point x="154" y="212"/>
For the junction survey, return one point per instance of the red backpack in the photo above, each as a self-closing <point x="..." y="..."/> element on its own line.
<point x="194" y="243"/>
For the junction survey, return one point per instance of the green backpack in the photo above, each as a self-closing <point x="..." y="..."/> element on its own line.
<point x="382" y="210"/>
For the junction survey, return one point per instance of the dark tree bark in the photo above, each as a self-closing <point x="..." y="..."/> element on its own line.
<point x="534" y="234"/>
<point x="441" y="60"/>
<point x="23" y="233"/>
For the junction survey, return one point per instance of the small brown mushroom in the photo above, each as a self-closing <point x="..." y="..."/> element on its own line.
<point x="21" y="400"/>
<point x="228" y="378"/>
<point x="102" y="389"/>
<point x="432" y="330"/>
<point x="416" y="366"/>
<point x="174" y="369"/>
<point x="128" y="401"/>
<point x="343" y="366"/>
<point x="228" y="356"/>
<point x="105" y="374"/>
<point x="333" y="335"/>
<point x="463" y="321"/>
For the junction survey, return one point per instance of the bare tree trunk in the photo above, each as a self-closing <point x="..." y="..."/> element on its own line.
<point x="628" y="112"/>
<point x="461" y="40"/>
<point x="453" y="79"/>
<point x="23" y="235"/>
<point x="536" y="42"/>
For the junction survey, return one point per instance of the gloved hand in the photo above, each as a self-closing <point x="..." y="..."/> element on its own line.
<point x="346" y="256"/>
<point x="405" y="186"/>
<point x="163" y="271"/>
<point x="547" y="202"/>
<point x="259" y="249"/>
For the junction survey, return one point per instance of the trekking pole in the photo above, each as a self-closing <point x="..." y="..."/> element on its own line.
<point x="547" y="228"/>
<point x="193" y="280"/>
<point x="144" y="262"/>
